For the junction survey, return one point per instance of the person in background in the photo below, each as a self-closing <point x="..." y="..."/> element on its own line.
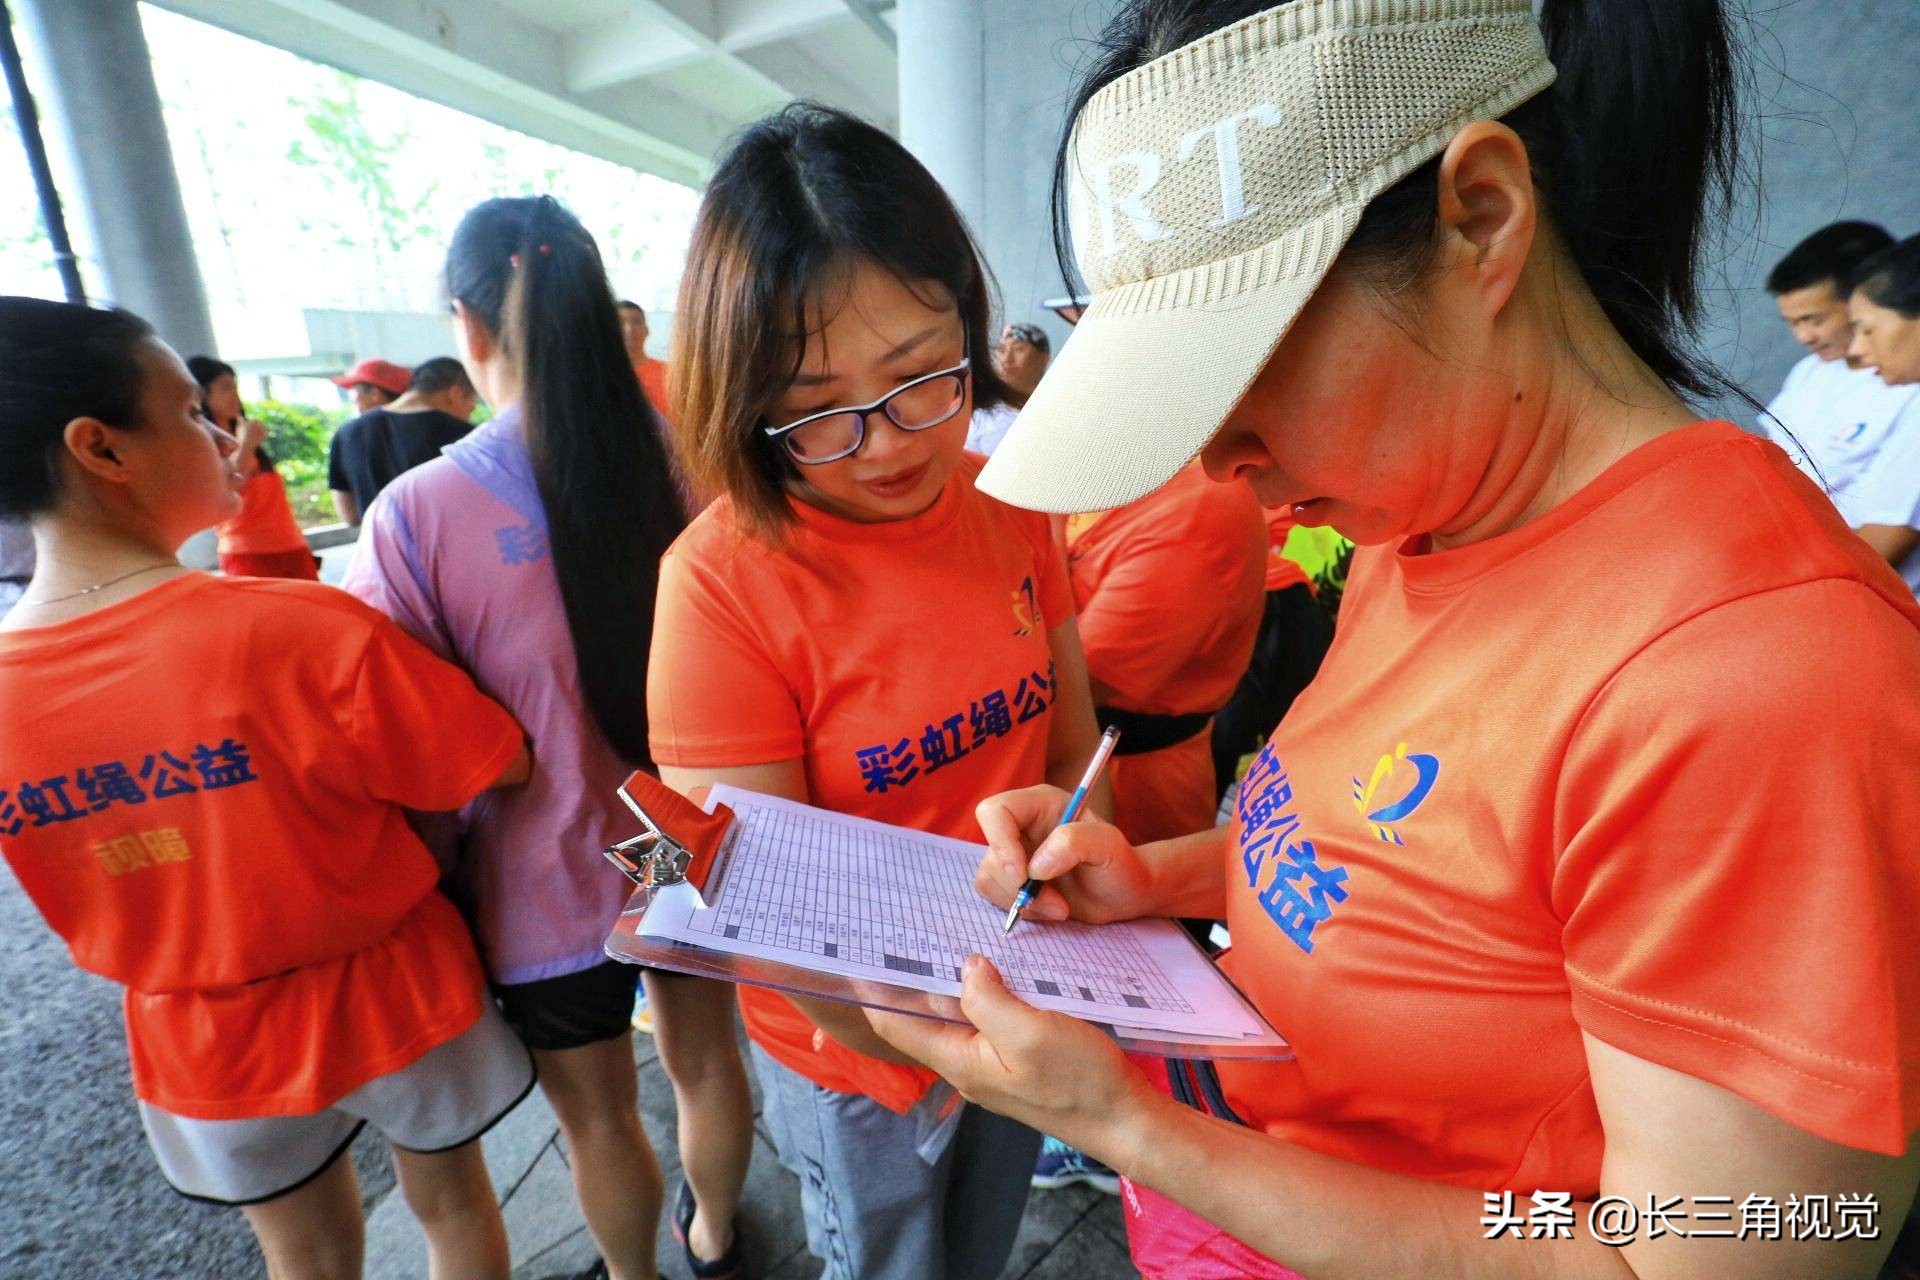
<point x="1884" y="304"/>
<point x="1293" y="638"/>
<point x="263" y="540"/>
<point x="1069" y="307"/>
<point x="652" y="373"/>
<point x="1835" y="419"/>
<point x="204" y="786"/>
<point x="16" y="561"/>
<point x="1020" y="358"/>
<point x="852" y="624"/>
<point x="369" y="451"/>
<point x="373" y="383"/>
<point x="1168" y="589"/>
<point x="1581" y="875"/>
<point x="528" y="554"/>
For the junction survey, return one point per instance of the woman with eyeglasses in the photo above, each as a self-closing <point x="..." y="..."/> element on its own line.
<point x="853" y="624"/>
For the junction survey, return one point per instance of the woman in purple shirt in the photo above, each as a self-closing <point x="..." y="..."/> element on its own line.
<point x="549" y="604"/>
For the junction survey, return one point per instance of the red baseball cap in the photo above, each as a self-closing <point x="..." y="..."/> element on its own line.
<point x="383" y="374"/>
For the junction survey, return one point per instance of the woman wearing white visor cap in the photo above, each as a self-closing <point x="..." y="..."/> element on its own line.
<point x="1579" y="881"/>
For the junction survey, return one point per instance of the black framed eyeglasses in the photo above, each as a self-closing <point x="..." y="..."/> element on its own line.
<point x="912" y="406"/>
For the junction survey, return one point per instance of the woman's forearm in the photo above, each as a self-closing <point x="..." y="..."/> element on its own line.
<point x="847" y="1024"/>
<point x="1185" y="875"/>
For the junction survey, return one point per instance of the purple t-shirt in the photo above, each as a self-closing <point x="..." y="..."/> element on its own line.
<point x="455" y="551"/>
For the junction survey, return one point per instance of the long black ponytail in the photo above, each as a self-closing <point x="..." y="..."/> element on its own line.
<point x="1635" y="150"/>
<point x="533" y="276"/>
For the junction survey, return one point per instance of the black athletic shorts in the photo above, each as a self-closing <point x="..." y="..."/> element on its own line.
<point x="574" y="1009"/>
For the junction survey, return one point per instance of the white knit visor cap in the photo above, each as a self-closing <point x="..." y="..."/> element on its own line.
<point x="1210" y="191"/>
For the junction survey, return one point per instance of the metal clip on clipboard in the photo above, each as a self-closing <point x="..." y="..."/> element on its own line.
<point x="652" y="859"/>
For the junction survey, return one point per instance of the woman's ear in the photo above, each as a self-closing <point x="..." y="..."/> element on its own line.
<point x="472" y="339"/>
<point x="90" y="442"/>
<point x="1487" y="212"/>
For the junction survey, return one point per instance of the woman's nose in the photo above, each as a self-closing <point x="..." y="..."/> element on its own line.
<point x="1232" y="453"/>
<point x="885" y="439"/>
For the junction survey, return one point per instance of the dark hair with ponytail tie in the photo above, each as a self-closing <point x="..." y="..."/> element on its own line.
<point x="1634" y="148"/>
<point x="532" y="275"/>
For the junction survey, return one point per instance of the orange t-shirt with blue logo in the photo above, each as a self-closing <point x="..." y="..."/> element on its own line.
<point x="1170" y="592"/>
<point x="906" y="664"/>
<point x="1639" y="768"/>
<point x="203" y="789"/>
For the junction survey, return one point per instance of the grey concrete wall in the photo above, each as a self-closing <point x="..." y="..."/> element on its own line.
<point x="1832" y="124"/>
<point x="1834" y="127"/>
<point x="983" y="87"/>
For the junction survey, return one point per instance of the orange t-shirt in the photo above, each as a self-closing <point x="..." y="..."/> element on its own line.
<point x="1170" y="595"/>
<point x="906" y="664"/>
<point x="1281" y="572"/>
<point x="653" y="381"/>
<point x="264" y="523"/>
<point x="202" y="790"/>
<point x="1641" y="767"/>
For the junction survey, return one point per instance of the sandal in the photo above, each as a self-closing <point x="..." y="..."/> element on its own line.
<point x="726" y="1266"/>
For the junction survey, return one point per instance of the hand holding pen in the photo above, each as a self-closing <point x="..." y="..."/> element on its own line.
<point x="1101" y="755"/>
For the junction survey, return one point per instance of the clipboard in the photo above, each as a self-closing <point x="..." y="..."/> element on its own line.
<point x="681" y="843"/>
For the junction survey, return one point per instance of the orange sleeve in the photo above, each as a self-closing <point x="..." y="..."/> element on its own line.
<point x="1736" y="819"/>
<point x="1184" y="591"/>
<point x="427" y="739"/>
<point x="714" y="697"/>
<point x="1054" y="587"/>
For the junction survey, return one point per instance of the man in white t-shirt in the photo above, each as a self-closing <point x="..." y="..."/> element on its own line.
<point x="1855" y="435"/>
<point x="1020" y="358"/>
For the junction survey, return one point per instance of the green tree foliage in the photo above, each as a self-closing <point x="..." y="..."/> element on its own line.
<point x="297" y="439"/>
<point x="358" y="163"/>
<point x="297" y="433"/>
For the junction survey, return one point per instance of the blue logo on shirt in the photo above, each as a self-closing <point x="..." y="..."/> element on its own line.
<point x="1382" y="818"/>
<point x="521" y="544"/>
<point x="1301" y="891"/>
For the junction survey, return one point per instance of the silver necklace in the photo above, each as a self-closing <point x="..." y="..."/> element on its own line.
<point x="102" y="586"/>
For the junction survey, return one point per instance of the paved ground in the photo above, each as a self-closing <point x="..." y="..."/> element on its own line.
<point x="1075" y="1234"/>
<point x="82" y="1198"/>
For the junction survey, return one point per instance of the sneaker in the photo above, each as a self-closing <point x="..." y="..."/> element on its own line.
<point x="725" y="1267"/>
<point x="642" y="1016"/>
<point x="1060" y="1165"/>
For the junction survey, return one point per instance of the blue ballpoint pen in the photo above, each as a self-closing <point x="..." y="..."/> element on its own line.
<point x="1101" y="755"/>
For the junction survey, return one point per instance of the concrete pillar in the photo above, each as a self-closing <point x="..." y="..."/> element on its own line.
<point x="102" y="97"/>
<point x="943" y="108"/>
<point x="982" y="104"/>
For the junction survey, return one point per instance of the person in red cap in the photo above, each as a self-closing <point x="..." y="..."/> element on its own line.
<point x="374" y="383"/>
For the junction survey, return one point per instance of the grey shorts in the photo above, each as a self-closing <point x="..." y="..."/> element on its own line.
<point x="445" y="1098"/>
